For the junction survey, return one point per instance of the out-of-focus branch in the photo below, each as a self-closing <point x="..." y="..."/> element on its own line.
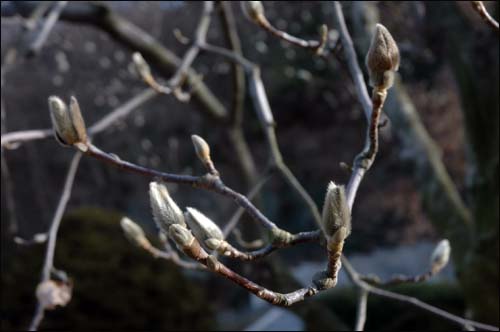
<point x="131" y="36"/>
<point x="254" y="10"/>
<point x="48" y="264"/>
<point x="355" y="278"/>
<point x="361" y="310"/>
<point x="481" y="10"/>
<point x="266" y="119"/>
<point x="37" y="44"/>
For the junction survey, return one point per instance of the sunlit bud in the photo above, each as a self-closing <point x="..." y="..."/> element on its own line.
<point x="203" y="228"/>
<point x="134" y="233"/>
<point x="141" y="65"/>
<point x="440" y="256"/>
<point x="212" y="243"/>
<point x="253" y="10"/>
<point x="336" y="213"/>
<point x="180" y="235"/>
<point x="165" y="210"/>
<point x="202" y="148"/>
<point x="68" y="125"/>
<point x="382" y="59"/>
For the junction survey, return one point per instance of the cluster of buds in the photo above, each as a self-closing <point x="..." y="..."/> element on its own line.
<point x="382" y="59"/>
<point x="69" y="127"/>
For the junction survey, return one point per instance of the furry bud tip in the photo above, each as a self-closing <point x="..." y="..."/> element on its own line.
<point x="382" y="59"/>
<point x="165" y="211"/>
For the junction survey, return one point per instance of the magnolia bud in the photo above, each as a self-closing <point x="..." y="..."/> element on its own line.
<point x="180" y="235"/>
<point x="203" y="228"/>
<point x="336" y="213"/>
<point x="51" y="294"/>
<point x="202" y="148"/>
<point x="382" y="59"/>
<point x="69" y="127"/>
<point x="323" y="281"/>
<point x="134" y="233"/>
<point x="253" y="10"/>
<point x="165" y="210"/>
<point x="141" y="65"/>
<point x="440" y="256"/>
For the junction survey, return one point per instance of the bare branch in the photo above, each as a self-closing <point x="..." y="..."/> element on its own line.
<point x="481" y="10"/>
<point x="54" y="228"/>
<point x="49" y="23"/>
<point x="361" y="311"/>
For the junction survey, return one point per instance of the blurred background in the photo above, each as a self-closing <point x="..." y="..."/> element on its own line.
<point x="435" y="176"/>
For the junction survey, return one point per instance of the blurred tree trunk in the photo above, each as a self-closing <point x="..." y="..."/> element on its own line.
<point x="472" y="51"/>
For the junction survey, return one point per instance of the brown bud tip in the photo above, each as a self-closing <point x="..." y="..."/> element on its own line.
<point x="382" y="59"/>
<point x="336" y="212"/>
<point x="202" y="148"/>
<point x="253" y="10"/>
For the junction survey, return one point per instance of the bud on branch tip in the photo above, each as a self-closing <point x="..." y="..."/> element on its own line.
<point x="440" y="256"/>
<point x="202" y="227"/>
<point x="336" y="212"/>
<point x="134" y="233"/>
<point x="201" y="148"/>
<point x="69" y="127"/>
<point x="382" y="59"/>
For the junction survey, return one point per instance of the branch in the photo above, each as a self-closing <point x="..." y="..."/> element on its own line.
<point x="355" y="278"/>
<point x="361" y="311"/>
<point x="35" y="47"/>
<point x="254" y="10"/>
<point x="478" y="6"/>
<point x="10" y="140"/>
<point x="48" y="264"/>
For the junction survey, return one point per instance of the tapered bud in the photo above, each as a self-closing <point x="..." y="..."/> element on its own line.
<point x="180" y="235"/>
<point x="253" y="10"/>
<point x="165" y="210"/>
<point x="336" y="213"/>
<point x="382" y="59"/>
<point x="203" y="227"/>
<point x="141" y="65"/>
<point x="440" y="256"/>
<point x="134" y="233"/>
<point x="201" y="148"/>
<point x="68" y="124"/>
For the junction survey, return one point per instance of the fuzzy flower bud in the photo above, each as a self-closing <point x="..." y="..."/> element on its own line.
<point x="134" y="233"/>
<point x="180" y="235"/>
<point x="69" y="127"/>
<point x="141" y="65"/>
<point x="165" y="210"/>
<point x="336" y="213"/>
<point x="382" y="59"/>
<point x="203" y="228"/>
<point x="201" y="148"/>
<point x="253" y="10"/>
<point x="440" y="256"/>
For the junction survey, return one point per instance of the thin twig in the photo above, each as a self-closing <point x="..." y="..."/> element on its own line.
<point x="481" y="9"/>
<point x="361" y="310"/>
<point x="355" y="278"/>
<point x="54" y="228"/>
<point x="49" y="23"/>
